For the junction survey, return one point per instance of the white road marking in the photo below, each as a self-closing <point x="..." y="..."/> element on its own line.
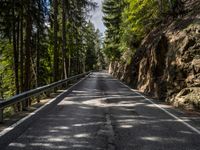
<point x="13" y="126"/>
<point x="166" y="111"/>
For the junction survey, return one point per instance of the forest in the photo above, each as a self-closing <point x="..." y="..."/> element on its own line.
<point x="43" y="41"/>
<point x="153" y="45"/>
<point x="100" y="74"/>
<point x="129" y="21"/>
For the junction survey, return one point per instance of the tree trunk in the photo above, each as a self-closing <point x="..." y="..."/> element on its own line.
<point x="64" y="62"/>
<point x="15" y="50"/>
<point x="56" y="52"/>
<point x="21" y="53"/>
<point x="28" y="48"/>
<point x="37" y="58"/>
<point x="18" y="49"/>
<point x="27" y="82"/>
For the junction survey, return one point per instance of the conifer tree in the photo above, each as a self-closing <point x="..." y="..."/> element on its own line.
<point x="112" y="20"/>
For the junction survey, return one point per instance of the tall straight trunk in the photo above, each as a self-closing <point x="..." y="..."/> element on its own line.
<point x="18" y="48"/>
<point x="37" y="58"/>
<point x="77" y="60"/>
<point x="15" y="50"/>
<point x="69" y="64"/>
<point x="76" y="49"/>
<point x="21" y="53"/>
<point x="56" y="52"/>
<point x="37" y="81"/>
<point x="28" y="48"/>
<point x="69" y="38"/>
<point x="39" y="31"/>
<point x="64" y="62"/>
<point x="18" y="106"/>
<point x="27" y="78"/>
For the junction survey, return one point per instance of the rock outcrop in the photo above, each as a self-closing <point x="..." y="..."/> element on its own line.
<point x="167" y="63"/>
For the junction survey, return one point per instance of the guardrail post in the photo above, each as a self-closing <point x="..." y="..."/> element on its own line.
<point x="1" y="115"/>
<point x="24" y="99"/>
<point x="38" y="99"/>
<point x="1" y="112"/>
<point x="25" y="105"/>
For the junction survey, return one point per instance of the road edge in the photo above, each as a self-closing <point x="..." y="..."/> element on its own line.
<point x="12" y="132"/>
<point x="191" y="127"/>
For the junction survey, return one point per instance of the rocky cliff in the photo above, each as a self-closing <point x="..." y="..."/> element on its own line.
<point x="167" y="63"/>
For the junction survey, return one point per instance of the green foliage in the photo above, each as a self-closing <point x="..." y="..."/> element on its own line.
<point x="112" y="20"/>
<point x="128" y="21"/>
<point x="80" y="49"/>
<point x="138" y="18"/>
<point x="90" y="52"/>
<point x="92" y="45"/>
<point x="6" y="69"/>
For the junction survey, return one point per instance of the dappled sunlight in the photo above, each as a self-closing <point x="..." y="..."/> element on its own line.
<point x="151" y="138"/>
<point x="61" y="128"/>
<point x="57" y="139"/>
<point x="47" y="145"/>
<point x="68" y="103"/>
<point x="82" y="135"/>
<point x="88" y="124"/>
<point x="126" y="120"/>
<point x="76" y="91"/>
<point x="18" y="145"/>
<point x="126" y="126"/>
<point x="186" y="132"/>
<point x="96" y="115"/>
<point x="95" y="102"/>
<point x="159" y="139"/>
<point x="53" y="131"/>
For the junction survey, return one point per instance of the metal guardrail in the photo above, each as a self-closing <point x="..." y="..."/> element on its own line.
<point x="28" y="94"/>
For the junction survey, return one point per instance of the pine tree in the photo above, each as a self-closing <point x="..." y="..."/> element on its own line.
<point x="112" y="20"/>
<point x="39" y="40"/>
<point x="56" y="52"/>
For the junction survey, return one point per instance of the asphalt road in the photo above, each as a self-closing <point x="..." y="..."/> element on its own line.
<point x="103" y="114"/>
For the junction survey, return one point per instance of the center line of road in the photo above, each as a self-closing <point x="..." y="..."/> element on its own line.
<point x="166" y="111"/>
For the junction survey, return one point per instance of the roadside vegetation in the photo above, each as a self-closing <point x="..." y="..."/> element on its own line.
<point x="129" y="21"/>
<point x="45" y="41"/>
<point x="153" y="45"/>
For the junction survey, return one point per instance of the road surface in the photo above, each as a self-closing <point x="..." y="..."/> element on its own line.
<point x="103" y="114"/>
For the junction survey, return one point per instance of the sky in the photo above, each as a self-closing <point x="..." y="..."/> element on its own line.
<point x="96" y="17"/>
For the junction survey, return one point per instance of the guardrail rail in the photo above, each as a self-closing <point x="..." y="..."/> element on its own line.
<point x="35" y="92"/>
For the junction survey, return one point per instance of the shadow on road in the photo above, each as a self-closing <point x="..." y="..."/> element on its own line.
<point x="79" y="122"/>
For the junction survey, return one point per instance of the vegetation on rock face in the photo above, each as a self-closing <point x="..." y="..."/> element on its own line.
<point x="129" y="21"/>
<point x="43" y="41"/>
<point x="162" y="39"/>
<point x="151" y="44"/>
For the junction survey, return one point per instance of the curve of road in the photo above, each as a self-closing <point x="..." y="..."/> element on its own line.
<point x="103" y="114"/>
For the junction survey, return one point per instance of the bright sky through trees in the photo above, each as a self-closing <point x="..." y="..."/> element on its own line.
<point x="96" y="17"/>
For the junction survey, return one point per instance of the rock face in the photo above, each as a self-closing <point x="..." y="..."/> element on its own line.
<point x="167" y="64"/>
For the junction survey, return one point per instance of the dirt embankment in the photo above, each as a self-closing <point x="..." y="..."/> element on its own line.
<point x="167" y="63"/>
